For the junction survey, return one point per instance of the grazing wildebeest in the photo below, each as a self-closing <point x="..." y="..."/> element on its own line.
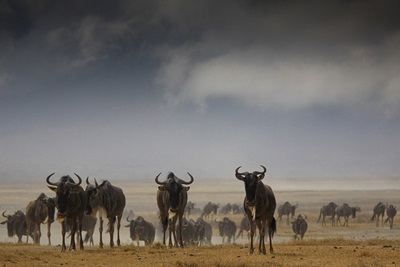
<point x="109" y="201"/>
<point x="286" y="209"/>
<point x="141" y="230"/>
<point x="345" y="211"/>
<point x="209" y="209"/>
<point x="328" y="210"/>
<point x="171" y="200"/>
<point x="16" y="225"/>
<point x="203" y="232"/>
<point x="70" y="203"/>
<point x="38" y="211"/>
<point x="299" y="226"/>
<point x="189" y="208"/>
<point x="88" y="226"/>
<point x="245" y="226"/>
<point x="227" y="229"/>
<point x="390" y="213"/>
<point x="379" y="210"/>
<point x="259" y="204"/>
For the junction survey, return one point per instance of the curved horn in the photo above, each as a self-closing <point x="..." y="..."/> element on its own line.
<point x="48" y="180"/>
<point x="158" y="182"/>
<point x="262" y="174"/>
<point x="239" y="175"/>
<point x="128" y="220"/>
<point x="95" y="182"/>
<point x="180" y="181"/>
<point x="79" y="178"/>
<point x="87" y="181"/>
<point x="4" y="214"/>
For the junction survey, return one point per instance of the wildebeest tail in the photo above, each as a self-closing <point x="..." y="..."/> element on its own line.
<point x="373" y="217"/>
<point x="320" y="214"/>
<point x="86" y="239"/>
<point x="273" y="227"/>
<point x="387" y="219"/>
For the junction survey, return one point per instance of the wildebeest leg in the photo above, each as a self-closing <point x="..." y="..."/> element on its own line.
<point x="111" y="225"/>
<point x="28" y="226"/>
<point x="261" y="230"/>
<point x="63" y="246"/>
<point x="118" y="227"/>
<point x="80" y="222"/>
<point x="72" y="223"/>
<point x="48" y="232"/>
<point x="101" y="232"/>
<point x="252" y="230"/>
<point x="38" y="233"/>
<point x="270" y="233"/>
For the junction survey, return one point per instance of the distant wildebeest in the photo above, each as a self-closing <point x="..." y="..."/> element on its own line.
<point x="209" y="209"/>
<point x="38" y="211"/>
<point x="328" y="210"/>
<point x="109" y="201"/>
<point x="171" y="201"/>
<point x="259" y="205"/>
<point x="345" y="211"/>
<point x="88" y="226"/>
<point x="227" y="230"/>
<point x="16" y="225"/>
<point x="141" y="230"/>
<point x="286" y="209"/>
<point x="236" y="209"/>
<point x="189" y="208"/>
<point x="71" y="204"/>
<point x="203" y="232"/>
<point x="226" y="209"/>
<point x="245" y="227"/>
<point x="379" y="211"/>
<point x="299" y="226"/>
<point x="188" y="232"/>
<point x="390" y="213"/>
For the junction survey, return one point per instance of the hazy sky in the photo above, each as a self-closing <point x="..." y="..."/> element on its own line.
<point x="128" y="89"/>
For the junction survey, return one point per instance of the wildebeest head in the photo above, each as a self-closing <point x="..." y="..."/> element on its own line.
<point x="12" y="220"/>
<point x="50" y="204"/>
<point x="91" y="193"/>
<point x="174" y="186"/>
<point x="63" y="188"/>
<point x="250" y="183"/>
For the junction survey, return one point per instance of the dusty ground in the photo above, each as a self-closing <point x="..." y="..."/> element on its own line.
<point x="360" y="244"/>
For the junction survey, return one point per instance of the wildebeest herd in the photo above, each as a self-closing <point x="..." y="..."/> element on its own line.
<point x="76" y="209"/>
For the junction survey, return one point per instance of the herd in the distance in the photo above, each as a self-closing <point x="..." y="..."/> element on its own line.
<point x="77" y="209"/>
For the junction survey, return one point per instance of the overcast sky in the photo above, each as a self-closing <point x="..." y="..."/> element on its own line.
<point x="128" y="89"/>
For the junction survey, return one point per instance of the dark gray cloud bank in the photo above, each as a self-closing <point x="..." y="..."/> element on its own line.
<point x="126" y="89"/>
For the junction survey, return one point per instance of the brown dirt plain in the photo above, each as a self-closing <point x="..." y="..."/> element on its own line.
<point x="360" y="244"/>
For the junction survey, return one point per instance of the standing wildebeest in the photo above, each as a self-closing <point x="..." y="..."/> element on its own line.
<point x="209" y="209"/>
<point x="379" y="210"/>
<point x="328" y="210"/>
<point x="188" y="231"/>
<point x="390" y="212"/>
<point x="299" y="226"/>
<point x="140" y="229"/>
<point x="286" y="209"/>
<point x="345" y="211"/>
<point x="40" y="211"/>
<point x="109" y="201"/>
<point x="16" y="225"/>
<point x="71" y="203"/>
<point x="189" y="208"/>
<point x="227" y="229"/>
<point x="245" y="226"/>
<point x="88" y="225"/>
<point x="259" y="204"/>
<point x="226" y="209"/>
<point x="203" y="232"/>
<point x="171" y="200"/>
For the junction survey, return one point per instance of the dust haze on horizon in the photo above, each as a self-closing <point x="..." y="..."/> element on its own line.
<point x="124" y="90"/>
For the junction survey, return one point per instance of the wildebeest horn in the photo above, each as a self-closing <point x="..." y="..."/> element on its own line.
<point x="87" y="181"/>
<point x="180" y="181"/>
<point x="239" y="175"/>
<point x="79" y="178"/>
<point x="128" y="220"/>
<point x="95" y="182"/>
<point x="158" y="182"/>
<point x="262" y="174"/>
<point x="48" y="180"/>
<point x="4" y="214"/>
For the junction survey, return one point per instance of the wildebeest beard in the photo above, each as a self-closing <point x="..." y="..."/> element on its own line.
<point x="251" y="188"/>
<point x="174" y="190"/>
<point x="62" y="199"/>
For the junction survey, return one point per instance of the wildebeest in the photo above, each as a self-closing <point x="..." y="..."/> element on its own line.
<point x="379" y="211"/>
<point x="38" y="211"/>
<point x="259" y="205"/>
<point x="141" y="230"/>
<point x="390" y="213"/>
<point x="227" y="229"/>
<point x="109" y="201"/>
<point x="171" y="201"/>
<point x="286" y="209"/>
<point x="203" y="232"/>
<point x="189" y="208"/>
<point x="188" y="231"/>
<point x="328" y="210"/>
<point x="345" y="211"/>
<point x="299" y="226"/>
<point x="88" y="226"/>
<point x="70" y="203"/>
<point x="245" y="227"/>
<point x="226" y="209"/>
<point x="16" y="225"/>
<point x="209" y="209"/>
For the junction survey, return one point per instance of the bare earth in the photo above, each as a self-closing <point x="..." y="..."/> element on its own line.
<point x="360" y="244"/>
